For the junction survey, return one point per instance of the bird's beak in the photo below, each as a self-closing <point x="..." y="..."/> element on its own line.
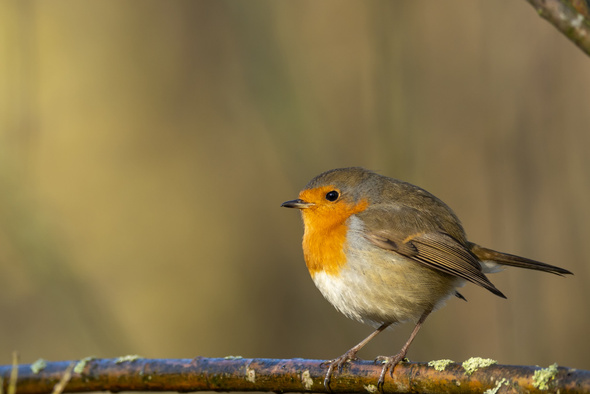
<point x="299" y="204"/>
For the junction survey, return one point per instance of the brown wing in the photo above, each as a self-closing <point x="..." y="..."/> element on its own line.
<point x="422" y="241"/>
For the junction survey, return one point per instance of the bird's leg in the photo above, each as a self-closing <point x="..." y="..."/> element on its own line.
<point x="349" y="355"/>
<point x="391" y="361"/>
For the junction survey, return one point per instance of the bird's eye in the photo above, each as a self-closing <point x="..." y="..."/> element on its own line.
<point x="332" y="195"/>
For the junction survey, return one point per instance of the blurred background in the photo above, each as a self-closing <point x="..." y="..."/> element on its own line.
<point x="145" y="149"/>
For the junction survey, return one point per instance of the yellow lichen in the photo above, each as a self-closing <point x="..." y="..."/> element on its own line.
<point x="542" y="377"/>
<point x="128" y="358"/>
<point x="250" y="375"/>
<point x="38" y="366"/>
<point x="440" y="365"/>
<point x="306" y="379"/>
<point x="499" y="384"/>
<point x="79" y="368"/>
<point x="475" y="363"/>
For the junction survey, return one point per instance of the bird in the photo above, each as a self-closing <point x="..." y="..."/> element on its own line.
<point x="384" y="252"/>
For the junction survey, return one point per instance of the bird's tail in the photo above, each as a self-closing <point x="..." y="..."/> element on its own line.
<point x="488" y="255"/>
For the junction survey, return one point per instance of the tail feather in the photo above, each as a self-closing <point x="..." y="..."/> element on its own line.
<point x="514" y="261"/>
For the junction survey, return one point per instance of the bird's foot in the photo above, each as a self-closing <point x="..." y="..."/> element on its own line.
<point x="389" y="363"/>
<point x="337" y="363"/>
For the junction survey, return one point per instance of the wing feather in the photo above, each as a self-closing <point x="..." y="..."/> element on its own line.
<point x="433" y="248"/>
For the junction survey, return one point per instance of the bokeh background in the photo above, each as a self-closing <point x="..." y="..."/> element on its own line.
<point x="146" y="147"/>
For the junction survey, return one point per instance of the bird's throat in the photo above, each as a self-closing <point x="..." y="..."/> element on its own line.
<point x="324" y="240"/>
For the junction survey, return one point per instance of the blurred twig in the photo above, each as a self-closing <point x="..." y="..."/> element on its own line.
<point x="572" y="19"/>
<point x="13" y="377"/>
<point x="65" y="379"/>
<point x="295" y="375"/>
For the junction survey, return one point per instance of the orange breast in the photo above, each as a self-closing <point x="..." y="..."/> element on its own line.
<point x="324" y="240"/>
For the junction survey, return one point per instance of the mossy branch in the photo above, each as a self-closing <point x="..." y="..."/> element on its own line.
<point x="571" y="17"/>
<point x="295" y="375"/>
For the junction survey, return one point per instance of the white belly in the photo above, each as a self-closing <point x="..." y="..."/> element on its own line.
<point x="378" y="286"/>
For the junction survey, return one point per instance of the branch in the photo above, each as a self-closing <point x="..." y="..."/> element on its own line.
<point x="571" y="21"/>
<point x="296" y="375"/>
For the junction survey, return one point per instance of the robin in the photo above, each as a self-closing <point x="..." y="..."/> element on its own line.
<point x="384" y="252"/>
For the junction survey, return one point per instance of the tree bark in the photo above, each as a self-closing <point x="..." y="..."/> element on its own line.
<point x="293" y="375"/>
<point x="571" y="19"/>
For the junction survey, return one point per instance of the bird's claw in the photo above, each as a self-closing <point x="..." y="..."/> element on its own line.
<point x="389" y="363"/>
<point x="337" y="363"/>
